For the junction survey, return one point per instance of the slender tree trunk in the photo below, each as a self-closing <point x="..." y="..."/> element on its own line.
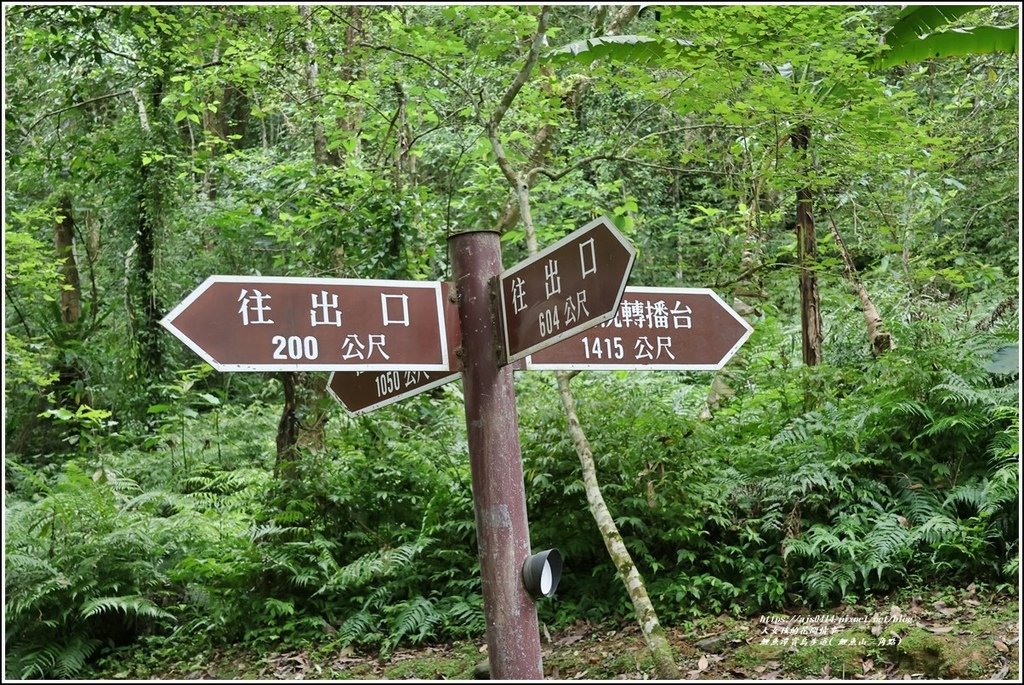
<point x="149" y="203"/>
<point x="350" y="70"/>
<point x="650" y="627"/>
<point x="63" y="240"/>
<point x="879" y="338"/>
<point x="313" y="89"/>
<point x="70" y="385"/>
<point x="287" y="430"/>
<point x="807" y="251"/>
<point x="303" y="419"/>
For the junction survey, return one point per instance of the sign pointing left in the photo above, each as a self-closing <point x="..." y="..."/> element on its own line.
<point x="269" y="323"/>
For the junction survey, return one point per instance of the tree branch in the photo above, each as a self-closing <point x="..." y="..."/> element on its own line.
<point x="83" y="103"/>
<point x="506" y="101"/>
<point x="433" y="67"/>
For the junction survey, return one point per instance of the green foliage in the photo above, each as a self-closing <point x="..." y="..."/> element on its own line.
<point x="91" y="567"/>
<point x="633" y="48"/>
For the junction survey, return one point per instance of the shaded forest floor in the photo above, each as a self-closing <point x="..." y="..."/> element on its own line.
<point x="955" y="634"/>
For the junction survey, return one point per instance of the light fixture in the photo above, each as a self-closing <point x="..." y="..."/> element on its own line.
<point x="541" y="573"/>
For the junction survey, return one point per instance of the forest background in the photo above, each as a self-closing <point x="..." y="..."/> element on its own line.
<point x="860" y="208"/>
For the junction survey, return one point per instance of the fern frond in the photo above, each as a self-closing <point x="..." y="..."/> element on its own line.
<point x="939" y="528"/>
<point x="357" y="626"/>
<point x="415" y="619"/>
<point x="130" y="605"/>
<point x="73" y="655"/>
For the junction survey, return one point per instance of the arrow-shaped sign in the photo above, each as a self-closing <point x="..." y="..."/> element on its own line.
<point x="682" y="329"/>
<point x="261" y="323"/>
<point x="572" y="285"/>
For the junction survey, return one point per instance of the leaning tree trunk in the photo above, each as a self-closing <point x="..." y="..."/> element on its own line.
<point x="878" y="336"/>
<point x="807" y="251"/>
<point x="654" y="635"/>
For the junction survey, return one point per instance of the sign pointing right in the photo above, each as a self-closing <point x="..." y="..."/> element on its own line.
<point x="682" y="329"/>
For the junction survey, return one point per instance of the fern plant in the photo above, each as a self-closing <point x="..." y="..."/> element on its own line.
<point x="80" y="569"/>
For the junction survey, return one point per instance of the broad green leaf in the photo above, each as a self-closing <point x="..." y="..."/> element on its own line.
<point x="917" y="20"/>
<point x="629" y="48"/>
<point x="954" y="43"/>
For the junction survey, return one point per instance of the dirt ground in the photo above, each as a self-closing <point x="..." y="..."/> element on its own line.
<point x="952" y="634"/>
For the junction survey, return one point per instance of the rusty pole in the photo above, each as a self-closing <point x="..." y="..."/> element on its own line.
<point x="499" y="497"/>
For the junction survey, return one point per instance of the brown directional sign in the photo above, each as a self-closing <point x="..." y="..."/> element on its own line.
<point x="260" y="323"/>
<point x="363" y="391"/>
<point x="572" y="285"/>
<point x="684" y="329"/>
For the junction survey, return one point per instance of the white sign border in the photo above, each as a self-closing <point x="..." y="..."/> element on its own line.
<point x="167" y="322"/>
<point x="568" y="333"/>
<point x="532" y="366"/>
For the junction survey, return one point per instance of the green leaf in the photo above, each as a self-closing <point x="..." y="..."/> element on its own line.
<point x="158" y="408"/>
<point x="954" y="43"/>
<point x="629" y="48"/>
<point x="180" y="115"/>
<point x="210" y="398"/>
<point x="917" y="20"/>
<point x="62" y="414"/>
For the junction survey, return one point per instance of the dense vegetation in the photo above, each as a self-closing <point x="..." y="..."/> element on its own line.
<point x="148" y="497"/>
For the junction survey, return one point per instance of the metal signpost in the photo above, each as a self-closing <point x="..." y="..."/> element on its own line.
<point x="566" y="288"/>
<point x="680" y="329"/>
<point x="260" y="323"/>
<point x="495" y="463"/>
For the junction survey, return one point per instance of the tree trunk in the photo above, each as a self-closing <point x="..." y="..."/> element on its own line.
<point x="807" y="256"/>
<point x="350" y="69"/>
<point x="70" y="385"/>
<point x="149" y="203"/>
<point x="315" y="96"/>
<point x="879" y="338"/>
<point x="303" y="419"/>
<point x="63" y="240"/>
<point x="654" y="635"/>
<point x="287" y="430"/>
